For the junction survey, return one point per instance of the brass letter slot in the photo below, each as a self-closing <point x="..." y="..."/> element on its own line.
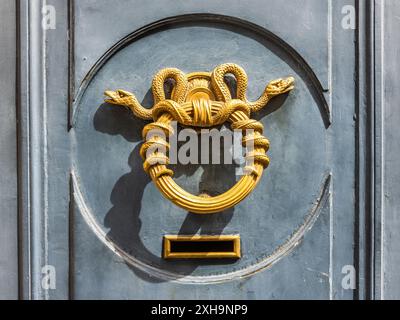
<point x="201" y="247"/>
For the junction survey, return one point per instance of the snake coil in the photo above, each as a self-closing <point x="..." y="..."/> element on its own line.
<point x="201" y="100"/>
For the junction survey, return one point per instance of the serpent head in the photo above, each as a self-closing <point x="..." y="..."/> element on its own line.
<point x="280" y="86"/>
<point x="119" y="97"/>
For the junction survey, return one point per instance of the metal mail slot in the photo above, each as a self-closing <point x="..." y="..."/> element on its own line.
<point x="201" y="247"/>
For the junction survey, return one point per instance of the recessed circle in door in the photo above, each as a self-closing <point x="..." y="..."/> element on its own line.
<point x="122" y="205"/>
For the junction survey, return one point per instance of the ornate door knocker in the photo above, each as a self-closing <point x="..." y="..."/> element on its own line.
<point x="202" y="99"/>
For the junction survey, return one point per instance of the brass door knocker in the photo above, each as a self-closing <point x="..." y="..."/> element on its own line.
<point x="202" y="99"/>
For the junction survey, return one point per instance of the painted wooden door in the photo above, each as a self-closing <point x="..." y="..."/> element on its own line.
<point x="92" y="216"/>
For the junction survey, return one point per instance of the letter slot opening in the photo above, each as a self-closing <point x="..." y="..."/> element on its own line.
<point x="201" y="247"/>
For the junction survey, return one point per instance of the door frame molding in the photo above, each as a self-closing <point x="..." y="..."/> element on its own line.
<point x="8" y="154"/>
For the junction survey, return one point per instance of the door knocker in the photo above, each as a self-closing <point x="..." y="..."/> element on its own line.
<point x="201" y="99"/>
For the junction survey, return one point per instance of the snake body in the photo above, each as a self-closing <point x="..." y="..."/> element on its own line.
<point x="274" y="88"/>
<point x="181" y="85"/>
<point x="222" y="92"/>
<point x="201" y="112"/>
<point x="127" y="99"/>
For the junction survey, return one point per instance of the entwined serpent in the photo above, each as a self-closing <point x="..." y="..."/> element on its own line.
<point x="201" y="100"/>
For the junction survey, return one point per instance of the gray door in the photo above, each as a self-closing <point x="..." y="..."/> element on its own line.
<point x="93" y="219"/>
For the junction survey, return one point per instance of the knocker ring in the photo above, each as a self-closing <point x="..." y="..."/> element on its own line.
<point x="201" y="99"/>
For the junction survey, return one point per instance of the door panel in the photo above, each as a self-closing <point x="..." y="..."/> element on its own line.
<point x="136" y="215"/>
<point x="103" y="231"/>
<point x="126" y="211"/>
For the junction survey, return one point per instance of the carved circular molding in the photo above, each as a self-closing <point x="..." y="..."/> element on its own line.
<point x="90" y="202"/>
<point x="202" y="100"/>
